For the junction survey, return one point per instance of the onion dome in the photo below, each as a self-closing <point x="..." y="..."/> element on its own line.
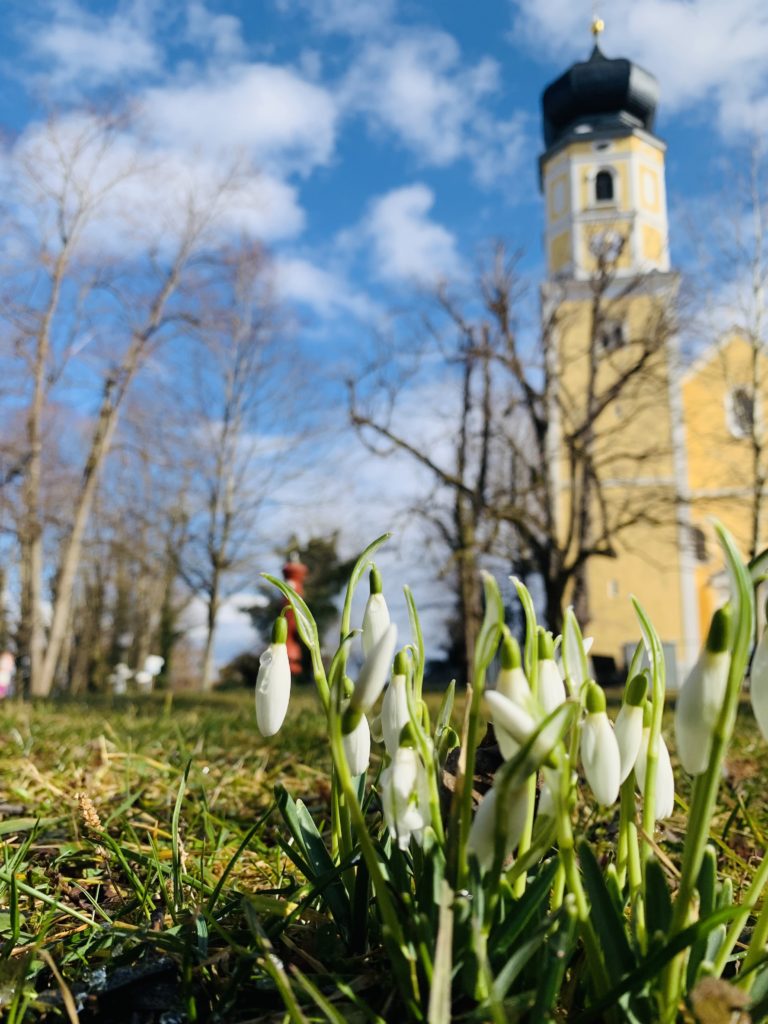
<point x="596" y="95"/>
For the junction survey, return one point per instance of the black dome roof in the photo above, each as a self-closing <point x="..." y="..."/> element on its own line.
<point x="602" y="93"/>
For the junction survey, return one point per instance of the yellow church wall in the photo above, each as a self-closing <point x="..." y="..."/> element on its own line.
<point x="558" y="197"/>
<point x="593" y="231"/>
<point x="650" y="192"/>
<point x="652" y="245"/>
<point x="622" y="432"/>
<point x="647" y="566"/>
<point x="721" y="469"/>
<point x="717" y="460"/>
<point x="559" y="251"/>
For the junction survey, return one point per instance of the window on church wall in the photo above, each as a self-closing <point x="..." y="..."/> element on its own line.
<point x="604" y="187"/>
<point x="740" y="412"/>
<point x="610" y="336"/>
<point x="699" y="544"/>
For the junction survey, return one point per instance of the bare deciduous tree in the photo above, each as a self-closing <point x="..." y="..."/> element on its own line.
<point x="524" y="473"/>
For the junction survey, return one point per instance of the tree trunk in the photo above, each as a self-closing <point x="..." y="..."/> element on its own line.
<point x="207" y="681"/>
<point x="72" y="547"/>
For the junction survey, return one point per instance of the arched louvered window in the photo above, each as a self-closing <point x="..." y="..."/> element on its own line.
<point x="604" y="186"/>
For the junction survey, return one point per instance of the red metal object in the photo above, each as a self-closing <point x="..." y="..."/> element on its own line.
<point x="294" y="574"/>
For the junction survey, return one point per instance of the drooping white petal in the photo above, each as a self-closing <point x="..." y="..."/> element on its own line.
<point x="405" y="797"/>
<point x="600" y="757"/>
<point x="514" y="725"/>
<point x="375" y="622"/>
<point x="758" y="687"/>
<point x="551" y="692"/>
<point x="394" y="713"/>
<point x="375" y="671"/>
<point x="629" y="735"/>
<point x="512" y="683"/>
<point x="357" y="747"/>
<point x="699" y="703"/>
<point x="273" y="689"/>
<point x="665" y="780"/>
<point x="482" y="834"/>
<point x="550" y="780"/>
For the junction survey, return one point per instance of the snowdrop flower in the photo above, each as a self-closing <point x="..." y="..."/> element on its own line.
<point x="758" y="686"/>
<point x="357" y="747"/>
<point x="511" y="681"/>
<point x="599" y="750"/>
<point x="373" y="675"/>
<point x="153" y="664"/>
<point x="273" y="683"/>
<point x="514" y="726"/>
<point x="394" y="708"/>
<point x="665" y="779"/>
<point x="700" y="700"/>
<point x="482" y="835"/>
<point x="143" y="680"/>
<point x="629" y="723"/>
<point x="376" y="616"/>
<point x="405" y="797"/>
<point x="551" y="691"/>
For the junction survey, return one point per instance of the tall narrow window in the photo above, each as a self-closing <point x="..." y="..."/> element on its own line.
<point x="604" y="186"/>
<point x="740" y="412"/>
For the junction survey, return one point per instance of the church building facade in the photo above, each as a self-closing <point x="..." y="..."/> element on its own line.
<point x="645" y="449"/>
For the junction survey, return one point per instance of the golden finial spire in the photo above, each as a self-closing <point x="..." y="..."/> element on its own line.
<point x="598" y="25"/>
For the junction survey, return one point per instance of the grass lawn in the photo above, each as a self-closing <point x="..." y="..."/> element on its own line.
<point x="143" y="898"/>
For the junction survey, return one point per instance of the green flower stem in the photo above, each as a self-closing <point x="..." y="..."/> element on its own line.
<point x="321" y="682"/>
<point x="756" y="949"/>
<point x="702" y="808"/>
<point x="751" y="899"/>
<point x="652" y="761"/>
<point x="558" y="888"/>
<point x="426" y="750"/>
<point x="626" y="815"/>
<point x="597" y="968"/>
<point x="525" y="839"/>
<point x="464" y="781"/>
<point x="390" y="919"/>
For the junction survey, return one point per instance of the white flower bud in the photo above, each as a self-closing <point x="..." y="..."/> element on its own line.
<point x="357" y="747"/>
<point x="551" y="686"/>
<point x="629" y="735"/>
<point x="376" y="616"/>
<point x="482" y="835"/>
<point x="273" y="688"/>
<point x="758" y="686"/>
<point x="700" y="700"/>
<point x="665" y="779"/>
<point x="405" y="797"/>
<point x="394" y="713"/>
<point x="599" y="750"/>
<point x="375" y="672"/>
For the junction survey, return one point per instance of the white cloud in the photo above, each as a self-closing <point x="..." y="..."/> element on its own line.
<point x="700" y="50"/>
<point x="221" y="32"/>
<point x="407" y="244"/>
<point x="82" y="48"/>
<point x="416" y="87"/>
<point x="279" y="118"/>
<point x="328" y="293"/>
<point x="138" y="195"/>
<point x="346" y="16"/>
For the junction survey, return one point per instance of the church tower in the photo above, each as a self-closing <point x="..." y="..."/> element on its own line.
<point x="617" y="445"/>
<point x="603" y="169"/>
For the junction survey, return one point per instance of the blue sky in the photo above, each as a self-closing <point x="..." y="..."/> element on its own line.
<point x="394" y="137"/>
<point x="387" y="140"/>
